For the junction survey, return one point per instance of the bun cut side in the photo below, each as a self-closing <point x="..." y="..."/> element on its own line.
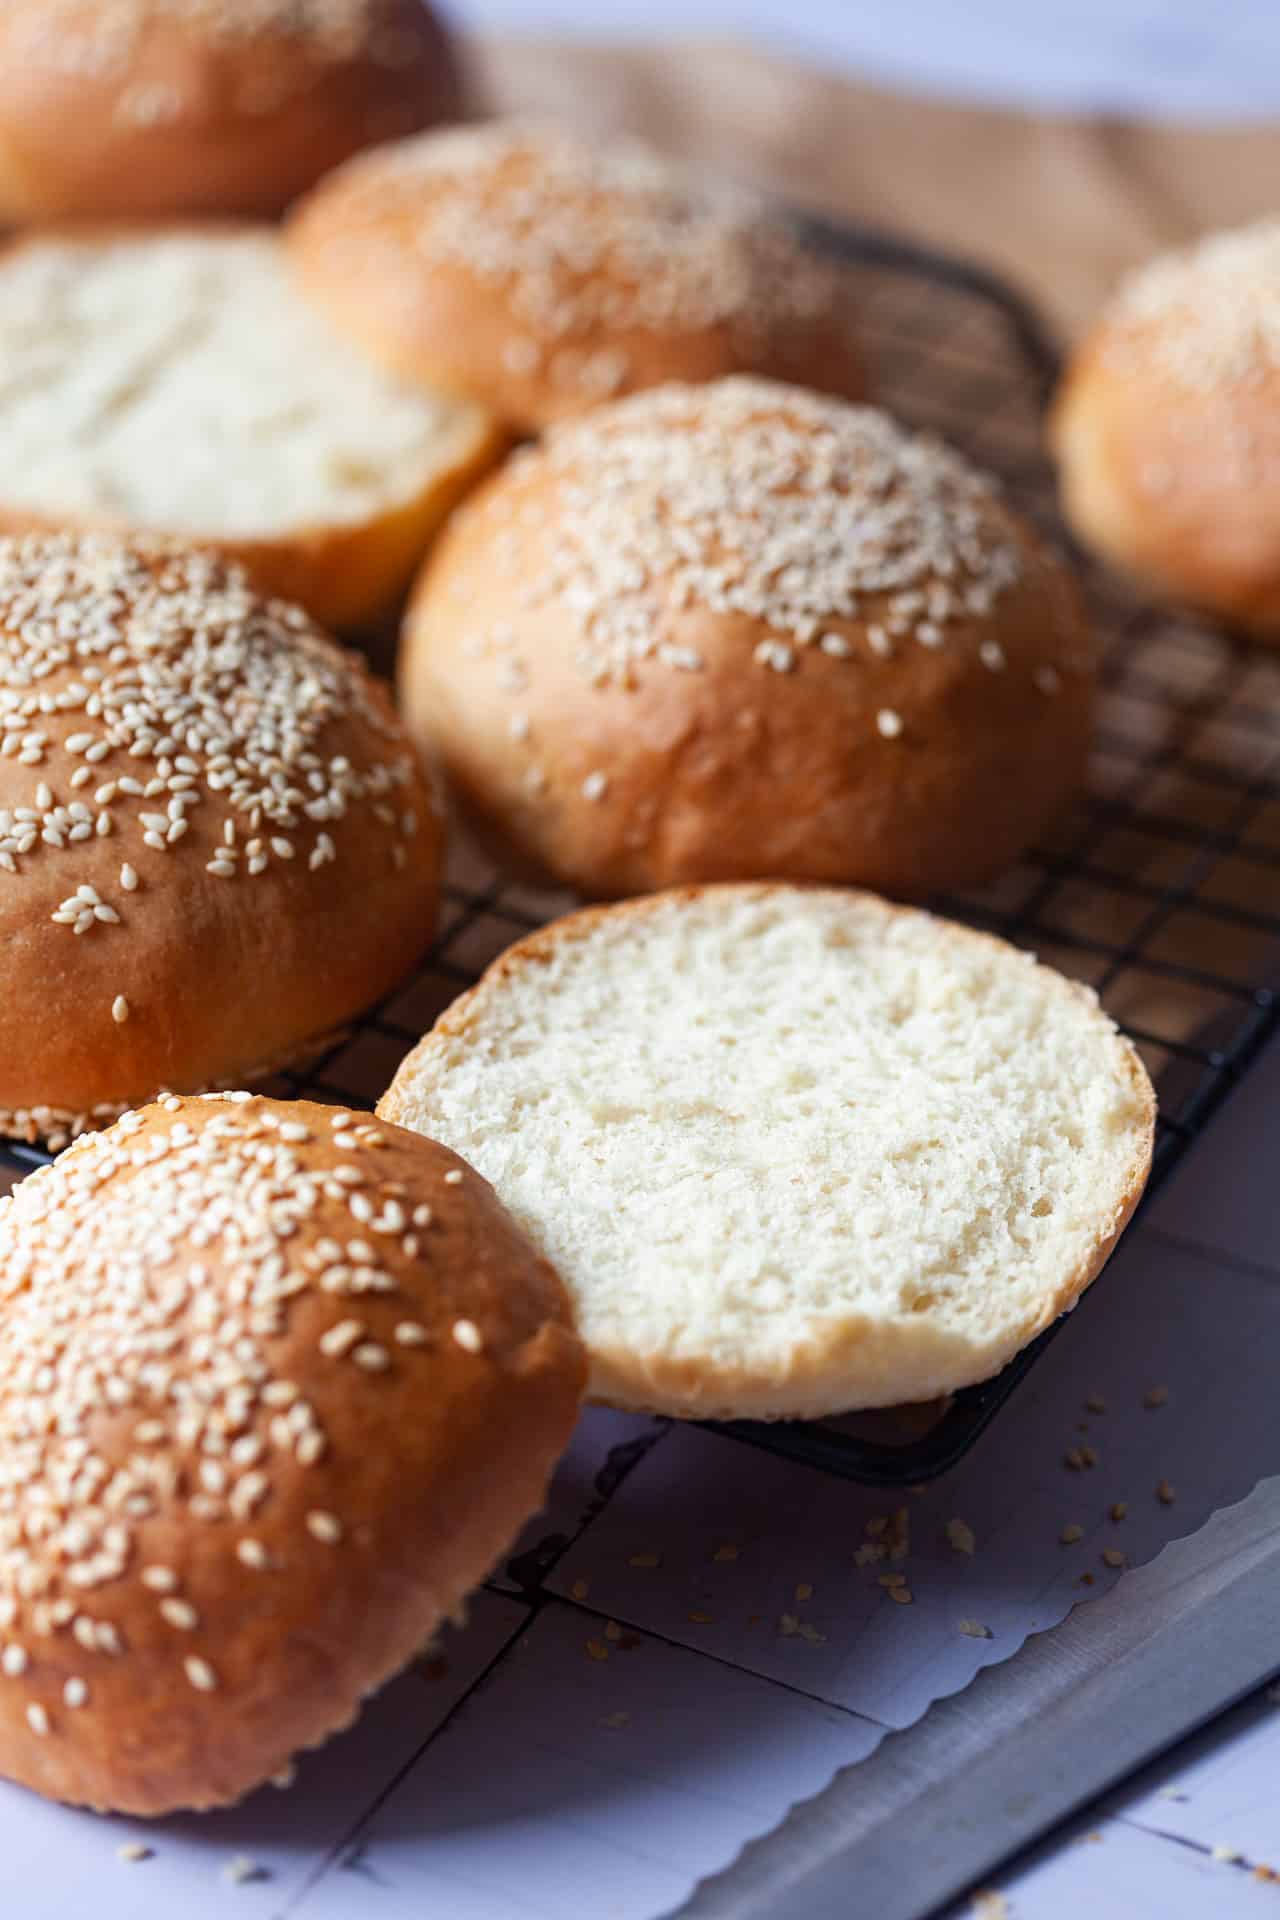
<point x="793" y="1151"/>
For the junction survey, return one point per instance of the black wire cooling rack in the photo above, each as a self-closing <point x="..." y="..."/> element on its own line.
<point x="1161" y="889"/>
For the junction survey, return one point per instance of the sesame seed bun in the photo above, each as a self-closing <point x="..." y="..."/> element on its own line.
<point x="170" y="379"/>
<point x="540" y="276"/>
<point x="793" y="1151"/>
<point x="277" y="1387"/>
<point x="216" y="843"/>
<point x="741" y="631"/>
<point x="138" y="108"/>
<point x="1167" y="429"/>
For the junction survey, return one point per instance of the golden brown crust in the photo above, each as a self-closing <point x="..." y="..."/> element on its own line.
<point x="207" y="960"/>
<point x="658" y="776"/>
<point x="854" y="1362"/>
<point x="444" y="276"/>
<point x="350" y="576"/>
<point x="260" y="1581"/>
<point x="144" y="108"/>
<point x="1176" y="486"/>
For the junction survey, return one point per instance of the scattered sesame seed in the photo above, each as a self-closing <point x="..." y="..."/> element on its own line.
<point x="180" y="1613"/>
<point x="1112" y="1557"/>
<point x="889" y="723"/>
<point x="159" y="1579"/>
<point x="133" y="1851"/>
<point x="595" y="786"/>
<point x="901" y="1596"/>
<point x="961" y="1536"/>
<point x="128" y="878"/>
<point x="242" y="1869"/>
<point x="1119" y="1509"/>
<point x="200" y="1674"/>
<point x="252" y="1553"/>
<point x="75" y="1692"/>
<point x="467" y="1335"/>
<point x="119" y="1009"/>
<point x="1226" y="1855"/>
<point x="376" y="1359"/>
<point x="37" y="1719"/>
<point x="339" y="1339"/>
<point x="454" y="1177"/>
<point x="973" y="1629"/>
<point x="324" y="1526"/>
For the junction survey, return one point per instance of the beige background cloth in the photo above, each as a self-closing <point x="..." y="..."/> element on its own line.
<point x="1063" y="206"/>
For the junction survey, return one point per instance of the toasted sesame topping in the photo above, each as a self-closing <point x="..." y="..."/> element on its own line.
<point x="317" y="32"/>
<point x="587" y="245"/>
<point x="145" y="1279"/>
<point x="454" y="1177"/>
<point x="750" y="498"/>
<point x="208" y="706"/>
<point x="410" y="1334"/>
<point x="467" y="1335"/>
<point x="37" y="1719"/>
<point x="119" y="1009"/>
<point x="1112" y="1557"/>
<point x="595" y="786"/>
<point x="133" y="1851"/>
<point x="888" y="723"/>
<point x="1206" y="316"/>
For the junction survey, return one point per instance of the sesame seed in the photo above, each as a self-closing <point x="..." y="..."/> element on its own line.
<point x="159" y="1579"/>
<point x="973" y="1629"/>
<point x="595" y="786"/>
<point x="372" y="1357"/>
<point x="119" y="1009"/>
<point x="252" y="1553"/>
<point x="889" y="723"/>
<point x="1165" y="1493"/>
<point x="410" y="1334"/>
<point x="961" y="1536"/>
<point x="14" y="1661"/>
<point x="341" y="1338"/>
<point x="467" y="1335"/>
<point x="200" y="1674"/>
<point x="181" y="1614"/>
<point x="37" y="1719"/>
<point x="1119" y="1509"/>
<point x="75" y="1692"/>
<point x="453" y="1178"/>
<point x="1112" y="1557"/>
<point x="324" y="1526"/>
<point x="242" y="1869"/>
<point x="133" y="1851"/>
<point x="1071" y="1534"/>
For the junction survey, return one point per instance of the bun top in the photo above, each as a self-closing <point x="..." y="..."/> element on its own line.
<point x="139" y="107"/>
<point x="277" y="1384"/>
<point x="1206" y="317"/>
<point x="191" y="775"/>
<point x="601" y="270"/>
<point x="747" y="498"/>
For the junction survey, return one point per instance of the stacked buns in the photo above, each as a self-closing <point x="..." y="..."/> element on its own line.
<point x="216" y="843"/>
<point x="742" y="630"/>
<point x="277" y="1387"/>
<point x="541" y="276"/>
<point x="171" y="380"/>
<point x="1167" y="428"/>
<point x="133" y="108"/>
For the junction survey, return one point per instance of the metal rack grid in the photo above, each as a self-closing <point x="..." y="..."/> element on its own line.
<point x="1161" y="888"/>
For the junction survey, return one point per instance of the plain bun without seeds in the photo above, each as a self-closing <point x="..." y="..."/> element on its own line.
<point x="216" y="843"/>
<point x="278" y="1386"/>
<point x="137" y="109"/>
<point x="792" y="1151"/>
<point x="746" y="631"/>
<point x="541" y="276"/>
